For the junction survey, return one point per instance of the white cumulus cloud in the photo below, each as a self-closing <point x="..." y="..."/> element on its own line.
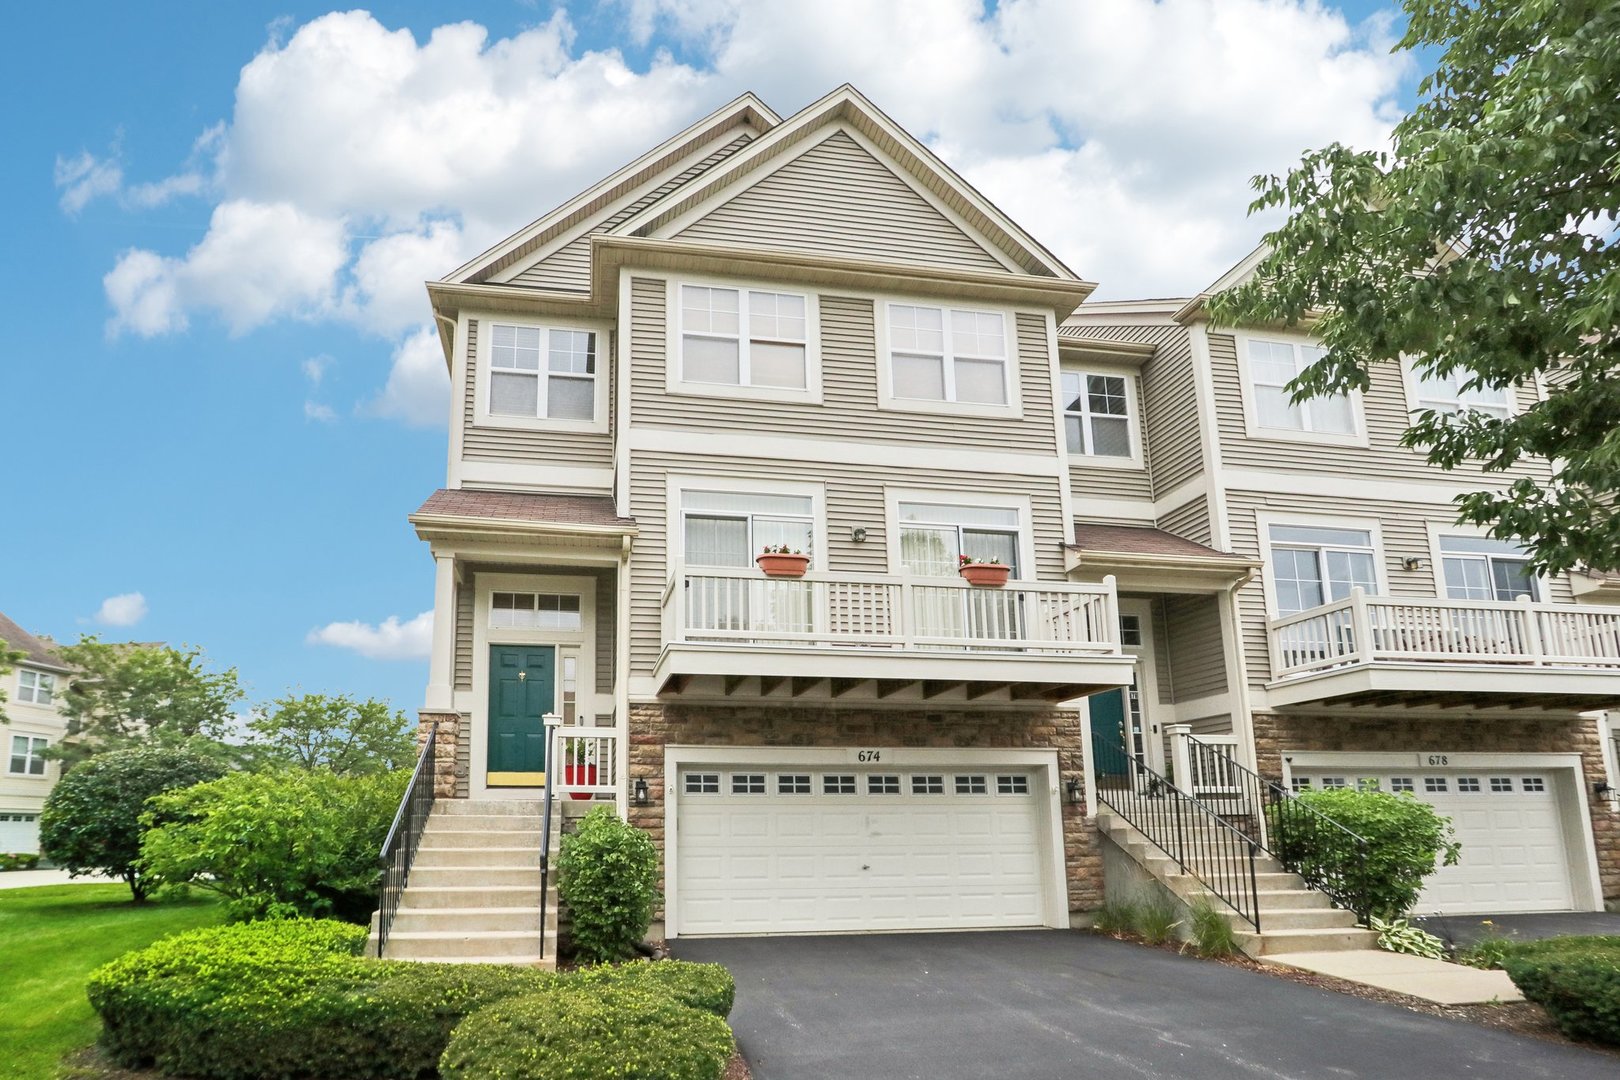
<point x="85" y="177"/>
<point x="390" y="639"/>
<point x="125" y="609"/>
<point x="418" y="389"/>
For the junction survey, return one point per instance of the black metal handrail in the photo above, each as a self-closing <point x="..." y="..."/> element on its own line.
<point x="404" y="837"/>
<point x="1306" y="841"/>
<point x="1195" y="837"/>
<point x="554" y="772"/>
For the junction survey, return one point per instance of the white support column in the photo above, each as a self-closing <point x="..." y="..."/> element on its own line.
<point x="441" y="662"/>
<point x="1181" y="756"/>
<point x="1361" y="625"/>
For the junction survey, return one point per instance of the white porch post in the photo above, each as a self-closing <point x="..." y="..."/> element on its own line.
<point x="1181" y="755"/>
<point x="440" y="692"/>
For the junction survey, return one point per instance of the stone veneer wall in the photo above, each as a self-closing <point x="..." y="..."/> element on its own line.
<point x="450" y="764"/>
<point x="652" y="727"/>
<point x="1274" y="734"/>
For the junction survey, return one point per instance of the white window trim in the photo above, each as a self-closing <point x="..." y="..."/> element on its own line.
<point x="1133" y="414"/>
<point x="894" y="496"/>
<point x="674" y="357"/>
<point x="1264" y="521"/>
<point x="1437" y="570"/>
<point x="1412" y="384"/>
<point x="483" y="417"/>
<point x="677" y="486"/>
<point x="1251" y="406"/>
<point x="25" y="774"/>
<point x="33" y="691"/>
<point x="1013" y="382"/>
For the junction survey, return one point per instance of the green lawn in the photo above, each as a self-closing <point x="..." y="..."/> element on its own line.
<point x="52" y="938"/>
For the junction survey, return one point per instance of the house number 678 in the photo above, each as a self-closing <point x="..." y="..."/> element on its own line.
<point x="869" y="755"/>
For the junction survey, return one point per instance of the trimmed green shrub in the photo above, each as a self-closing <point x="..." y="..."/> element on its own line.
<point x="277" y="844"/>
<point x="18" y="860"/>
<point x="1577" y="980"/>
<point x="601" y="1034"/>
<point x="1407" y="840"/>
<point x="709" y="987"/>
<point x="608" y="877"/>
<point x="92" y="822"/>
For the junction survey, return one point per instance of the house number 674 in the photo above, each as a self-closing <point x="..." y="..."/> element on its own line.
<point x="868" y="755"/>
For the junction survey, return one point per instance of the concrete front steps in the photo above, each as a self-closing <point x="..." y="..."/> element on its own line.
<point x="1293" y="917"/>
<point x="473" y="895"/>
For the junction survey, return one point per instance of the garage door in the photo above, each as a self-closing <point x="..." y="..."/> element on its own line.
<point x="1514" y="854"/>
<point x="19" y="833"/>
<point x="816" y="850"/>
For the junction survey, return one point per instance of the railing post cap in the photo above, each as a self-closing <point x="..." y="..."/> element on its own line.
<point x="551" y="719"/>
<point x="1178" y="729"/>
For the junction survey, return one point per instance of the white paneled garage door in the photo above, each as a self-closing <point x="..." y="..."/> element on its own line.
<point x="813" y="849"/>
<point x="1514" y="853"/>
<point x="19" y="832"/>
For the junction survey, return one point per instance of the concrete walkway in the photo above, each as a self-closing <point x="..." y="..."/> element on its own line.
<point x="1432" y="980"/>
<point x="27" y="879"/>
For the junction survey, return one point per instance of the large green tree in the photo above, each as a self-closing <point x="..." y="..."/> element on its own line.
<point x="333" y="731"/>
<point x="1481" y="245"/>
<point x="146" y="695"/>
<point x="8" y="658"/>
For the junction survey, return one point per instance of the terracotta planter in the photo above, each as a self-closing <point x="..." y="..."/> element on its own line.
<point x="583" y="775"/>
<point x="783" y="565"/>
<point x="985" y="575"/>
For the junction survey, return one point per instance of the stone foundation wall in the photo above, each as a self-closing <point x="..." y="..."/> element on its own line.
<point x="1274" y="734"/>
<point x="652" y="727"/>
<point x="449" y="763"/>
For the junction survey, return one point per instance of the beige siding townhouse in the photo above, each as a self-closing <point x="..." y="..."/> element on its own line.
<point x="810" y="334"/>
<point x="34" y="691"/>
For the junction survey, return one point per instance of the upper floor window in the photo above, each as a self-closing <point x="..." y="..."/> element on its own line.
<point x="1479" y="568"/>
<point x="1097" y="414"/>
<point x="725" y="528"/>
<point x="542" y="373"/>
<point x="1314" y="566"/>
<point x="28" y="755"/>
<point x="935" y="536"/>
<point x="1445" y="393"/>
<point x="948" y="354"/>
<point x="36" y="686"/>
<point x="1275" y="364"/>
<point x="743" y="337"/>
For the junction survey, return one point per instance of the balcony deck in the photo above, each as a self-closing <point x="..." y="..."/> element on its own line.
<point x="1377" y="650"/>
<point x="875" y="639"/>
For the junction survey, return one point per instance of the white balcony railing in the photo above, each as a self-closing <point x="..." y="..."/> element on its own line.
<point x="1366" y="629"/>
<point x="588" y="758"/>
<point x="883" y="611"/>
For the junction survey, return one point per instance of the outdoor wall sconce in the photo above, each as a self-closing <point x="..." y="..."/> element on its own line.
<point x="1072" y="787"/>
<point x="642" y="795"/>
<point x="858" y="535"/>
<point x="1600" y="788"/>
<point x="1412" y="562"/>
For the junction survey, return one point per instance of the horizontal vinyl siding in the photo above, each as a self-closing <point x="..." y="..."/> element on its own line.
<point x="464" y="635"/>
<point x="1197" y="657"/>
<point x="1189" y="520"/>
<point x="577" y="449"/>
<point x="855" y="497"/>
<point x="1161" y="654"/>
<point x="836" y="199"/>
<point x="1405" y="531"/>
<point x="1169" y="400"/>
<point x="1384" y="412"/>
<point x="849" y="373"/>
<point x="568" y="269"/>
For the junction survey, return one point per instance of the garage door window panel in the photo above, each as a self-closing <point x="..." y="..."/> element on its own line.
<point x="702" y="784"/>
<point x="793" y="784"/>
<point x="838" y="784"/>
<point x="928" y="785"/>
<point x="748" y="783"/>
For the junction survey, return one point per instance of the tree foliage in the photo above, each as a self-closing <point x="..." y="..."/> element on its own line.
<point x="92" y="821"/>
<point x="336" y="732"/>
<point x="8" y="660"/>
<point x="1482" y="243"/>
<point x="127" y="695"/>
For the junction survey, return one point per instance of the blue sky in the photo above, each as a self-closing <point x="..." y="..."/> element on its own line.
<point x="249" y="475"/>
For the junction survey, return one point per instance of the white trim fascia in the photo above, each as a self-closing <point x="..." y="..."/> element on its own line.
<point x="1252" y="427"/>
<point x="1134" y="417"/>
<point x="1608" y="729"/>
<point x="754" y="447"/>
<point x="1060" y="441"/>
<point x="675" y="384"/>
<point x="1011" y="372"/>
<point x="1202" y="708"/>
<point x="1147" y="680"/>
<point x="621" y="674"/>
<point x="458" y="401"/>
<point x="535" y="476"/>
<point x="676" y="756"/>
<point x="1266" y="517"/>
<point x="1350" y="488"/>
<point x="894" y="495"/>
<point x="622" y="462"/>
<point x="1115" y="512"/>
<point x="1230" y="614"/>
<point x="1184" y="493"/>
<point x="1209" y="434"/>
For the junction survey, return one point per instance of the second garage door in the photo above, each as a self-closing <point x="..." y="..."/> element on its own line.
<point x="1514" y="853"/>
<point x="816" y="850"/>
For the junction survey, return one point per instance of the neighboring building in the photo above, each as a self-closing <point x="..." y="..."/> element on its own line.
<point x="34" y="693"/>
<point x="810" y="332"/>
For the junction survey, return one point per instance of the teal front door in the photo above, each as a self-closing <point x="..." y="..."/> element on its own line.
<point x="522" y="689"/>
<point x="1109" y="742"/>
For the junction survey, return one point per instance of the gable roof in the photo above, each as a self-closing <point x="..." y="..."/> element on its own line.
<point x="35" y="652"/>
<point x="849" y="106"/>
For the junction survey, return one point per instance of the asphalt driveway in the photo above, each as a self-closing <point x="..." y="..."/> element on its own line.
<point x="1467" y="929"/>
<point x="1045" y="1005"/>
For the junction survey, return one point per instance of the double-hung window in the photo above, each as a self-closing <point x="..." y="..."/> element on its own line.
<point x="743" y="337"/>
<point x="542" y="373"/>
<point x="28" y="755"/>
<point x="36" y="686"/>
<point x="1479" y="568"/>
<point x="935" y="536"/>
<point x="1445" y="394"/>
<point x="948" y="354"/>
<point x="1096" y="415"/>
<point x="1275" y="364"/>
<point x="1314" y="566"/>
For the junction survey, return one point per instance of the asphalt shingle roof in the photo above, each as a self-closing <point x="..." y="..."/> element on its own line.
<point x="524" y="506"/>
<point x="34" y="650"/>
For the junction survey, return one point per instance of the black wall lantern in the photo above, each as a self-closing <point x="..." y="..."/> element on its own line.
<point x="642" y="795"/>
<point x="1073" y="789"/>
